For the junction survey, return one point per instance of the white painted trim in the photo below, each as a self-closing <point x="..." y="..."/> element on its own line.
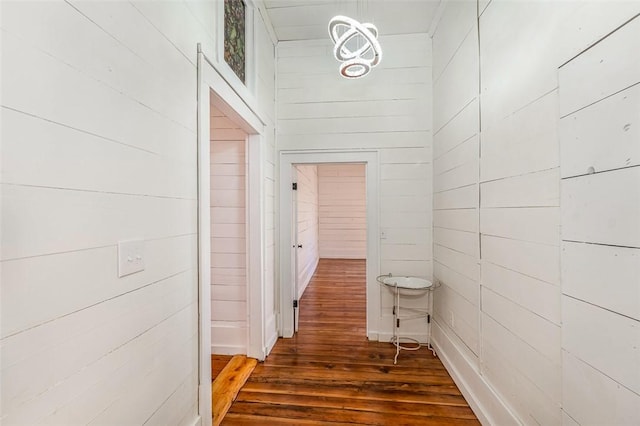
<point x="255" y="254"/>
<point x="197" y="421"/>
<point x="433" y="26"/>
<point x="483" y="400"/>
<point x="212" y="86"/>
<point x="271" y="323"/>
<point x="227" y="81"/>
<point x="227" y="350"/>
<point x="219" y="47"/>
<point x="262" y="10"/>
<point x="287" y="288"/>
<point x="204" y="248"/>
<point x="307" y="274"/>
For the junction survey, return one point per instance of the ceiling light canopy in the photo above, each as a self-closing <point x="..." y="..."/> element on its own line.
<point x="356" y="46"/>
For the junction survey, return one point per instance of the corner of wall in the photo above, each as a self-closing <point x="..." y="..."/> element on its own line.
<point x="485" y="403"/>
<point x="271" y="334"/>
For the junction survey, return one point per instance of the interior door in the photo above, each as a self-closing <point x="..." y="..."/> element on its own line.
<point x="294" y="246"/>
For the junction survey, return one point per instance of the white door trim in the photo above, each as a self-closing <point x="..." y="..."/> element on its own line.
<point x="211" y="85"/>
<point x="287" y="287"/>
<point x="256" y="321"/>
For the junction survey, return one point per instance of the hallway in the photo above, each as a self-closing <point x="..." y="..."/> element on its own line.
<point x="330" y="374"/>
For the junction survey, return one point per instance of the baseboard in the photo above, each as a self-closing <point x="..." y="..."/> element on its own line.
<point x="484" y="401"/>
<point x="228" y="350"/>
<point x="345" y="257"/>
<point x="271" y="342"/>
<point x="307" y="275"/>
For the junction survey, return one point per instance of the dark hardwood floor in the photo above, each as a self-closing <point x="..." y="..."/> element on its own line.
<point x="329" y="373"/>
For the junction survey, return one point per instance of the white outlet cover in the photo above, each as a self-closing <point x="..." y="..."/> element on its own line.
<point x="130" y="257"/>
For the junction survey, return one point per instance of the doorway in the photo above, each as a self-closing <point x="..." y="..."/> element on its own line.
<point x="329" y="209"/>
<point x="216" y="96"/>
<point x="228" y="201"/>
<point x="289" y="289"/>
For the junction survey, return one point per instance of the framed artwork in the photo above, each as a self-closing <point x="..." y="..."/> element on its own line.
<point x="235" y="36"/>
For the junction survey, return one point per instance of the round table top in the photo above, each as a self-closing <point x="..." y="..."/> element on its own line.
<point x="409" y="283"/>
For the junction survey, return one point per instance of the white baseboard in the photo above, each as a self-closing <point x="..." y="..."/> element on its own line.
<point x="228" y="350"/>
<point x="484" y="401"/>
<point x="271" y="342"/>
<point x="197" y="421"/>
<point x="346" y="257"/>
<point x="306" y="276"/>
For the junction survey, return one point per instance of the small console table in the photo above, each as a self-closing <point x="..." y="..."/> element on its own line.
<point x="413" y="285"/>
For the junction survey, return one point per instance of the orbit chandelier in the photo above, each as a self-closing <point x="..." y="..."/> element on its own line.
<point x="356" y="46"/>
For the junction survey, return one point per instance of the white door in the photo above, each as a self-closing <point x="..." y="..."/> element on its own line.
<point x="287" y="231"/>
<point x="294" y="247"/>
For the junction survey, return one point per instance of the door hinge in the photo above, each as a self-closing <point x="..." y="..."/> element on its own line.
<point x="295" y="303"/>
<point x="428" y="319"/>
<point x="294" y="186"/>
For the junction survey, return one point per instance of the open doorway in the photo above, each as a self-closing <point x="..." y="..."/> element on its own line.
<point x="298" y="263"/>
<point x="230" y="231"/>
<point x="228" y="201"/>
<point x="218" y="102"/>
<point x="330" y="221"/>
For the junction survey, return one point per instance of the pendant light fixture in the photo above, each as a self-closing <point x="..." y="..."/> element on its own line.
<point x="356" y="46"/>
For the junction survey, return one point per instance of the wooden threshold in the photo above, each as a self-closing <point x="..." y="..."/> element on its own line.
<point x="228" y="383"/>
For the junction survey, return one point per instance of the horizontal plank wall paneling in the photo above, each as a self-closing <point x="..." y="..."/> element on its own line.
<point x="266" y="95"/>
<point x="581" y="132"/>
<point x="307" y="206"/>
<point x="105" y="143"/>
<point x="389" y="111"/>
<point x="99" y="146"/>
<point x="343" y="207"/>
<point x="601" y="230"/>
<point x="455" y="177"/>
<point x="498" y="211"/>
<point x="228" y="168"/>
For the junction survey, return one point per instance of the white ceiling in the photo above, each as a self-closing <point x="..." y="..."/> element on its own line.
<point x="309" y="19"/>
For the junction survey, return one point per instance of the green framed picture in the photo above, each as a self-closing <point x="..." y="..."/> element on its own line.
<point x="234" y="36"/>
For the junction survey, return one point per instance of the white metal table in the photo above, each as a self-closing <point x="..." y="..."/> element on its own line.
<point x="398" y="284"/>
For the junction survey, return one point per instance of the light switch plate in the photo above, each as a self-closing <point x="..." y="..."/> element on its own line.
<point x="130" y="257"/>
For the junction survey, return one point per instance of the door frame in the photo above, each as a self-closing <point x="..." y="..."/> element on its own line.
<point x="295" y="252"/>
<point x="287" y="160"/>
<point x="213" y="87"/>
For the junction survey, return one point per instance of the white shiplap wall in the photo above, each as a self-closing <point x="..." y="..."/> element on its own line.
<point x="98" y="146"/>
<point x="266" y="95"/>
<point x="307" y="219"/>
<point x="455" y="176"/>
<point x="343" y="208"/>
<point x="388" y="111"/>
<point x="228" y="236"/>
<point x="497" y="219"/>
<point x="599" y="129"/>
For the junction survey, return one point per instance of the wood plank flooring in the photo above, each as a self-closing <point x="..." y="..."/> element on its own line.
<point x="226" y="386"/>
<point x="218" y="362"/>
<point x="329" y="373"/>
